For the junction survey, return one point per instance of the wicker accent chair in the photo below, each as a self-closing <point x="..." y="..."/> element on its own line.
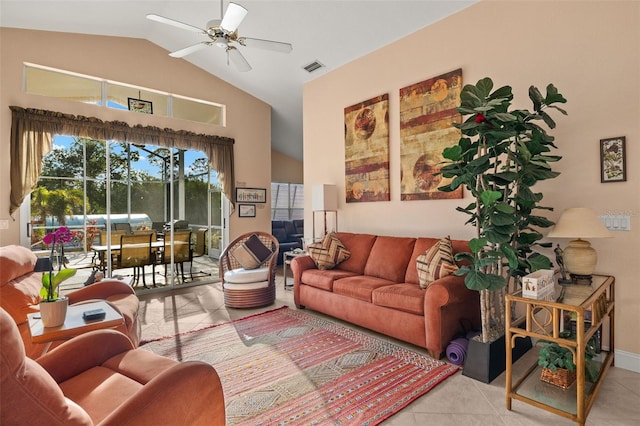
<point x="249" y="288"/>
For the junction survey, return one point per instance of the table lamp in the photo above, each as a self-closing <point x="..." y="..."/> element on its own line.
<point x="324" y="198"/>
<point x="579" y="257"/>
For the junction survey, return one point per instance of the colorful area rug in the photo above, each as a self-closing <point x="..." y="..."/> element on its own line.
<point x="288" y="367"/>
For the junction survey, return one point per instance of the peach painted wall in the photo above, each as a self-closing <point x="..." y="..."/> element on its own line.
<point x="589" y="50"/>
<point x="285" y="169"/>
<point x="140" y="63"/>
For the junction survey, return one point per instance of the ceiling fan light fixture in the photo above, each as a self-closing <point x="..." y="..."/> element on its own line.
<point x="222" y="42"/>
<point x="223" y="33"/>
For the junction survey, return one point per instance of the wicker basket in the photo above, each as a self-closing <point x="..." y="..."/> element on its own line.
<point x="561" y="377"/>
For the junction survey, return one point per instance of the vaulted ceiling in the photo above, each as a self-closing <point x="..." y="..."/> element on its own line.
<point x="332" y="32"/>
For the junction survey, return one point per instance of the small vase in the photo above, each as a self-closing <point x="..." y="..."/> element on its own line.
<point x="53" y="313"/>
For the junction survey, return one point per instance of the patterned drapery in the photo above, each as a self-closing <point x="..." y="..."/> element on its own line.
<point x="32" y="132"/>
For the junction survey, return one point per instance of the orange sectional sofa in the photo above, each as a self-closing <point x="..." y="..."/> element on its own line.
<point x="98" y="378"/>
<point x="20" y="295"/>
<point x="378" y="288"/>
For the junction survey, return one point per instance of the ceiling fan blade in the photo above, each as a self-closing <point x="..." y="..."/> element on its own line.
<point x="238" y="59"/>
<point x="233" y="17"/>
<point x="175" y="23"/>
<point x="188" y="50"/>
<point x="276" y="46"/>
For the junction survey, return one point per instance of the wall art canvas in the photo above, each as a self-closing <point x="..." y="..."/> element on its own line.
<point x="427" y="114"/>
<point x="613" y="158"/>
<point x="366" y="128"/>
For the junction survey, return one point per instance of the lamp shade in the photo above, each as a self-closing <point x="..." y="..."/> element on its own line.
<point x="579" y="222"/>
<point x="324" y="197"/>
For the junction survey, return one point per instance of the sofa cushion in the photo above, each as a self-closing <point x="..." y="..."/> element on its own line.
<point x="329" y="252"/>
<point x="436" y="263"/>
<point x="21" y="296"/>
<point x="19" y="285"/>
<point x="420" y="247"/>
<point x="280" y="234"/>
<point x="404" y="297"/>
<point x="15" y="261"/>
<point x="246" y="286"/>
<point x="359" y="286"/>
<point x="324" y="279"/>
<point x="389" y="258"/>
<point x="424" y="244"/>
<point x="242" y="276"/>
<point x="251" y="253"/>
<point x="359" y="245"/>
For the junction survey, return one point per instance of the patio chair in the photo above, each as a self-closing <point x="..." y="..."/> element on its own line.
<point x="182" y="251"/>
<point x="99" y="261"/>
<point x="200" y="249"/>
<point x="126" y="227"/>
<point x="135" y="252"/>
<point x="248" y="270"/>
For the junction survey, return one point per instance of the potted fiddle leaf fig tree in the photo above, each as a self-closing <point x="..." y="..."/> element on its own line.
<point x="502" y="153"/>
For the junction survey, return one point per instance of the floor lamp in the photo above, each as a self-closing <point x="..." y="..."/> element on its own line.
<point x="324" y="199"/>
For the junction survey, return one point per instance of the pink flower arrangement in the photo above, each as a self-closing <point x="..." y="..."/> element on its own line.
<point x="51" y="281"/>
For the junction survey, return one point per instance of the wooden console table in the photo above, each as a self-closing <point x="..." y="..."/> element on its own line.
<point x="546" y="320"/>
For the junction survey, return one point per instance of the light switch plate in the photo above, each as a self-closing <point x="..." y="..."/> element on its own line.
<point x="4" y="224"/>
<point x="616" y="222"/>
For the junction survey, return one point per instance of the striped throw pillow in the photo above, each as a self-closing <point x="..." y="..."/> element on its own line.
<point x="329" y="252"/>
<point x="435" y="263"/>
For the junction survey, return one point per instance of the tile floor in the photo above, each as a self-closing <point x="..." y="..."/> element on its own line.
<point x="457" y="401"/>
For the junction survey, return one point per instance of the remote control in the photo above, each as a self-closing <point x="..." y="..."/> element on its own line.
<point x="95" y="314"/>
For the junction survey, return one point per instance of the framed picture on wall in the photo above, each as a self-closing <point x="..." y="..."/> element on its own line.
<point x="613" y="159"/>
<point x="246" y="210"/>
<point x="139" y="105"/>
<point x="251" y="195"/>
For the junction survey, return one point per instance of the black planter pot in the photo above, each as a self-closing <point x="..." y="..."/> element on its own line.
<point x="486" y="361"/>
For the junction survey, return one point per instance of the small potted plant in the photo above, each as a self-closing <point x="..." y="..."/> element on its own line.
<point x="558" y="367"/>
<point x="53" y="309"/>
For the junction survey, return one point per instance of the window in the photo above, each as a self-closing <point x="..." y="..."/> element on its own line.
<point x="40" y="80"/>
<point x="287" y="201"/>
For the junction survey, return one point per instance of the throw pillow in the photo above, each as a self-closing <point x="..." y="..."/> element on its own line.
<point x="329" y="252"/>
<point x="251" y="253"/>
<point x="435" y="263"/>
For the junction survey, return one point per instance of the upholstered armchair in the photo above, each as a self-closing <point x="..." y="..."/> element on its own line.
<point x="98" y="378"/>
<point x="248" y="270"/>
<point x="288" y="237"/>
<point x="20" y="295"/>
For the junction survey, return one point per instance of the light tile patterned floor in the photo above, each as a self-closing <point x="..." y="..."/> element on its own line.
<point x="458" y="401"/>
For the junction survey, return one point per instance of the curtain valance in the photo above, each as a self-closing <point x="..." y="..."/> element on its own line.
<point x="32" y="132"/>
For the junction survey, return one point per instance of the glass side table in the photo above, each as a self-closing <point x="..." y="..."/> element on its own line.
<point x="593" y="307"/>
<point x="286" y="262"/>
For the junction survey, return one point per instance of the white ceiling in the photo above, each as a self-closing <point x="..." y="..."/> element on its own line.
<point x="331" y="31"/>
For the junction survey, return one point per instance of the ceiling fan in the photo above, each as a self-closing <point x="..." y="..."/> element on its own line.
<point x="223" y="33"/>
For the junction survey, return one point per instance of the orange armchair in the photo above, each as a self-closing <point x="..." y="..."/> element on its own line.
<point x="99" y="378"/>
<point x="20" y="295"/>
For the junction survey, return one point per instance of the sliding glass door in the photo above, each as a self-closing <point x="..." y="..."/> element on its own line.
<point x="95" y="188"/>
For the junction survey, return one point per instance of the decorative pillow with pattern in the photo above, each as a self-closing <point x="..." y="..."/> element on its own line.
<point x="251" y="253"/>
<point x="435" y="263"/>
<point x="329" y="252"/>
